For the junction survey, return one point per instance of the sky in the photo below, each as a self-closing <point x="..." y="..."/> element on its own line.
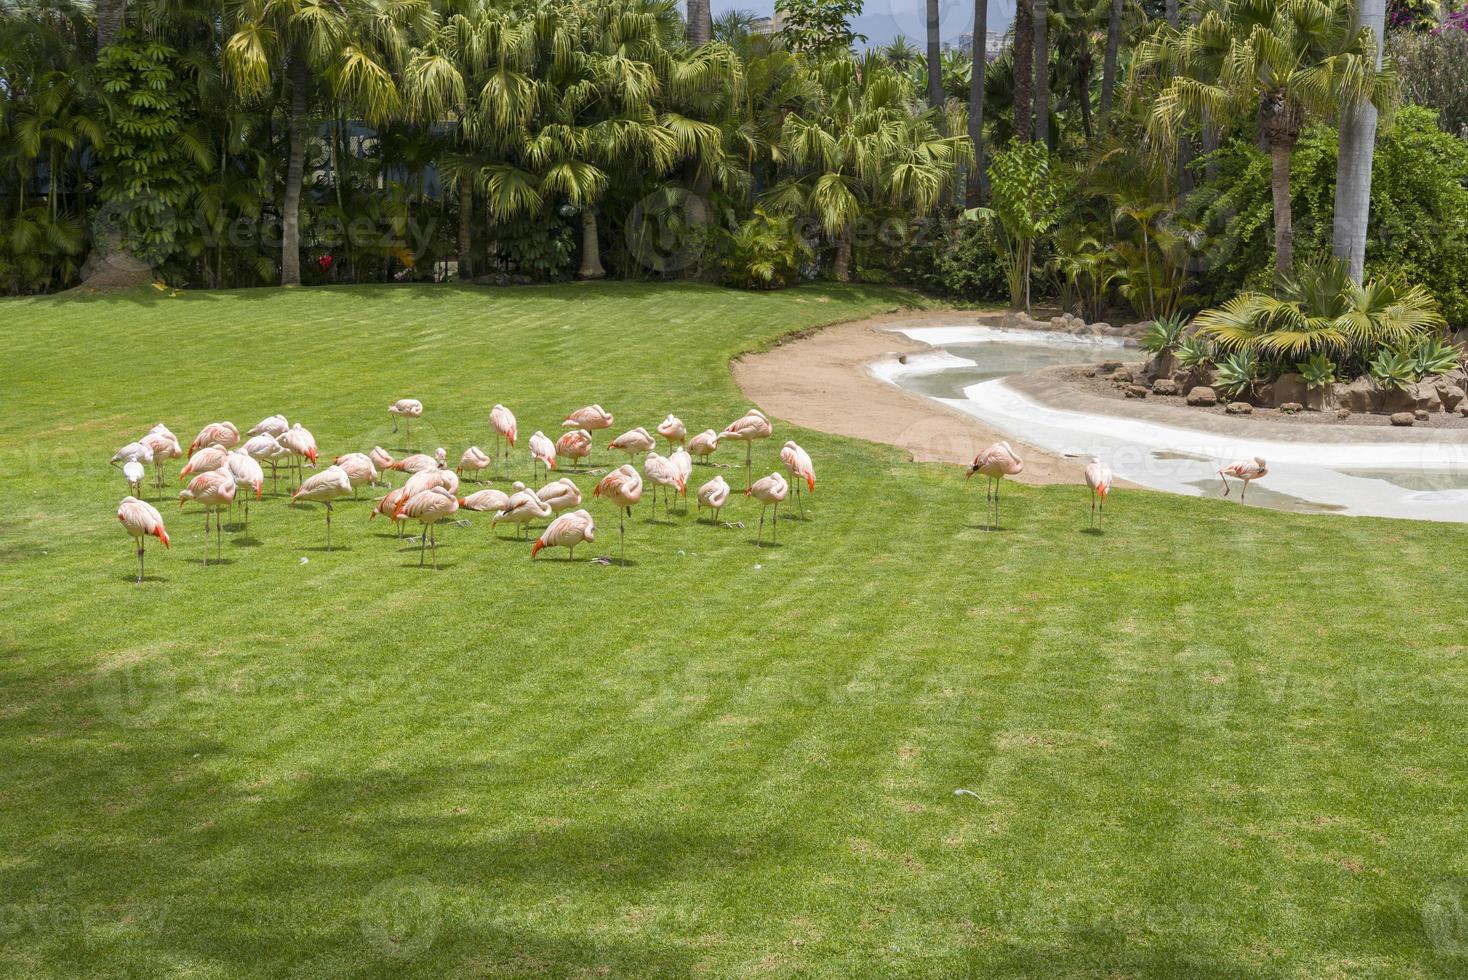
<point x="883" y="20"/>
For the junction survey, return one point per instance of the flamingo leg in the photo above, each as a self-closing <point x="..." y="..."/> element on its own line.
<point x="748" y="463"/>
<point x="775" y="524"/>
<point x="1243" y="491"/>
<point x="328" y="525"/>
<point x="1101" y="514"/>
<point x="758" y="535"/>
<point x="1093" y="509"/>
<point x="218" y="536"/>
<point x="622" y="539"/>
<point x="422" y="541"/>
<point x="433" y="538"/>
<point x="140" y="559"/>
<point x="798" y="502"/>
<point x="206" y="539"/>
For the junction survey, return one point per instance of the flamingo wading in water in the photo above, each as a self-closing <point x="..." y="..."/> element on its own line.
<point x="1244" y="471"/>
<point x="141" y="519"/>
<point x="994" y="464"/>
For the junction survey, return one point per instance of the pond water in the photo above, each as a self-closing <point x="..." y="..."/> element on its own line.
<point x="1377" y="476"/>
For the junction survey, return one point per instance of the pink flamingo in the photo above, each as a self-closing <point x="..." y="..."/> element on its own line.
<point x="381" y="458"/>
<point x="474" y="459"/>
<point x="566" y="531"/>
<point x="591" y="418"/>
<point x="662" y="473"/>
<point x="485" y="500"/>
<point x="428" y="479"/>
<point x="683" y="466"/>
<point x="769" y="490"/>
<point x="164" y="446"/>
<point x="133" y="452"/>
<point x="542" y="451"/>
<point x="330" y="484"/>
<point x="266" y="450"/>
<point x="561" y="495"/>
<point x="223" y="433"/>
<point x="206" y="459"/>
<point x="1098" y="478"/>
<point x="575" y="445"/>
<point x="673" y="430"/>
<point x="752" y="426"/>
<point x="213" y="491"/>
<point x="359" y="469"/>
<point x="502" y="421"/>
<point x="271" y="425"/>
<point x="623" y="487"/>
<point x="714" y="494"/>
<point x="801" y="469"/>
<point x="388" y="507"/>
<point x="632" y="442"/>
<point x="523" y="507"/>
<point x="428" y="508"/>
<point x="247" y="473"/>
<point x="1243" y="470"/>
<point x="995" y="463"/>
<point x="141" y="519"/>
<point x="301" y="444"/>
<point x="134" y="473"/>
<point x="416" y="463"/>
<point x="704" y="444"/>
<point x="406" y="409"/>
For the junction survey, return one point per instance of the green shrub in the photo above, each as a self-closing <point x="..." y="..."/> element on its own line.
<point x="1163" y="334"/>
<point x="764" y="252"/>
<point x="1237" y="373"/>
<point x="1318" y="370"/>
<point x="1392" y="369"/>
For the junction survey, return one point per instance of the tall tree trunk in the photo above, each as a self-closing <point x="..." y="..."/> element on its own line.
<point x="935" y="57"/>
<point x="1284" y="222"/>
<point x="700" y="22"/>
<point x="978" y="183"/>
<point x="841" y="266"/>
<point x="466" y="238"/>
<point x="1353" y="165"/>
<point x="290" y="218"/>
<point x="111" y="16"/>
<point x="1210" y="145"/>
<point x="591" y="267"/>
<point x="1040" y="10"/>
<point x="1024" y="70"/>
<point x="1113" y="46"/>
<point x="1084" y="96"/>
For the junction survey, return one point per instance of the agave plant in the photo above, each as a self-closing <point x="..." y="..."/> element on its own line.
<point x="1195" y="353"/>
<point x="1323" y="310"/>
<point x="1237" y="373"/>
<point x="1391" y="368"/>
<point x="1433" y="355"/>
<point x="1317" y="370"/>
<point x="1164" y="334"/>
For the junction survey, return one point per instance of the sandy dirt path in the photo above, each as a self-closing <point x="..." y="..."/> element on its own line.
<point x="821" y="382"/>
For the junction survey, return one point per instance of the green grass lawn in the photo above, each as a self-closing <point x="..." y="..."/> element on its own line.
<point x="1217" y="741"/>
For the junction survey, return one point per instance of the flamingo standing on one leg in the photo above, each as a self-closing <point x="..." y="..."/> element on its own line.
<point x="662" y="473"/>
<point x="575" y="445"/>
<point x="995" y="463"/>
<point x="1098" y="478"/>
<point x="302" y="445"/>
<point x="141" y="519"/>
<point x="801" y="469"/>
<point x="474" y="459"/>
<point x="542" y="451"/>
<point x="673" y="430"/>
<point x="213" y="491"/>
<point x="134" y="473"/>
<point x="266" y="450"/>
<point x="704" y="444"/>
<point x="330" y="484"/>
<point x="406" y="409"/>
<point x="714" y="494"/>
<point x="752" y="426"/>
<point x="769" y="490"/>
<point x="623" y="487"/>
<point x="247" y="473"/>
<point x="633" y="441"/>
<point x="226" y="434"/>
<point x="683" y="466"/>
<point x="566" y="531"/>
<point x="1243" y="470"/>
<point x="428" y="507"/>
<point x="164" y="446"/>
<point x="502" y="421"/>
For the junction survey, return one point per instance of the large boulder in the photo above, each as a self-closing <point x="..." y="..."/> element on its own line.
<point x="1421" y="396"/>
<point x="1203" y="396"/>
<point x="1290" y="388"/>
<point x="1360" y="395"/>
<point x="1162" y="366"/>
<point x="1165" y="386"/>
<point x="1450" y="393"/>
<point x="1403" y="418"/>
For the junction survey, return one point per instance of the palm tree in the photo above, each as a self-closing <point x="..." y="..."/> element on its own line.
<point x="1113" y="46"/>
<point x="300" y="43"/>
<point x="977" y="177"/>
<point x="862" y="152"/>
<point x="901" y="54"/>
<point x="700" y="22"/>
<point x="111" y="15"/>
<point x="1353" y="165"/>
<point x="1282" y="59"/>
<point x="1024" y="69"/>
<point x="1040" y="15"/>
<point x="935" y="57"/>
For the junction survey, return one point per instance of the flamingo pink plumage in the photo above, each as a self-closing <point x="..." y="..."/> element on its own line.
<point x="633" y="441"/>
<point x="561" y="495"/>
<point x="523" y="507"/>
<point x="407" y="409"/>
<point x="206" y="459"/>
<point x="566" y="531"/>
<point x="428" y="508"/>
<point x="673" y="430"/>
<point x="271" y="425"/>
<point x="662" y="473"/>
<point x="225" y="434"/>
<point x="542" y="451"/>
<point x="141" y="519"/>
<point x="474" y="459"/>
<point x="704" y="444"/>
<point x="485" y="500"/>
<point x="502" y="421"/>
<point x="801" y="469"/>
<point x="772" y="489"/>
<point x="753" y="425"/>
<point x="213" y="491"/>
<point x="623" y="487"/>
<point x="995" y="463"/>
<point x="575" y="444"/>
<point x="330" y="484"/>
<point x="1098" y="478"/>
<point x="714" y="494"/>
<point x="1244" y="470"/>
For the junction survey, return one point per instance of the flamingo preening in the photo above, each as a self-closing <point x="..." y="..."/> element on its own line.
<point x="359" y="469"/>
<point x="489" y="500"/>
<point x="133" y="452"/>
<point x="388" y="506"/>
<point x="632" y="442"/>
<point x="330" y="484"/>
<point x="213" y="490"/>
<point x="704" y="444"/>
<point x="673" y="430"/>
<point x="662" y="473"/>
<point x="474" y="459"/>
<point x="523" y="507"/>
<point x="141" y="519"/>
<point x="772" y="489"/>
<point x="752" y="426"/>
<point x="542" y="451"/>
<point x="271" y="425"/>
<point x="995" y="463"/>
<point x="247" y="473"/>
<point x="266" y="449"/>
<point x="301" y="445"/>
<point x="575" y="445"/>
<point x="714" y="495"/>
<point x="416" y="463"/>
<point x="225" y="434"/>
<point x="798" y="465"/>
<point x="209" y="458"/>
<point x="406" y="409"/>
<point x="623" y="487"/>
<point x="591" y="419"/>
<point x="561" y="495"/>
<point x="566" y="531"/>
<point x="428" y="479"/>
<point x="381" y="458"/>
<point x="164" y="446"/>
<point x="502" y="421"/>
<point x="1243" y="470"/>
<point x="1098" y="478"/>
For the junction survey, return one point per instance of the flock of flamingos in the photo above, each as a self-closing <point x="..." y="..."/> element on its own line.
<point x="221" y="460"/>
